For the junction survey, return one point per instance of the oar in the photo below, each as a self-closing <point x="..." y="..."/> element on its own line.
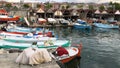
<point x="57" y="61"/>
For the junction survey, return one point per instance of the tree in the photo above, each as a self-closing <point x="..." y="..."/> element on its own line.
<point x="110" y="6"/>
<point x="67" y="6"/>
<point x="48" y="6"/>
<point x="91" y="7"/>
<point x="114" y="6"/>
<point x="8" y="5"/>
<point x="63" y="7"/>
<point x="102" y="7"/>
<point x="110" y="3"/>
<point x="26" y="6"/>
<point x="80" y="6"/>
<point x="15" y="8"/>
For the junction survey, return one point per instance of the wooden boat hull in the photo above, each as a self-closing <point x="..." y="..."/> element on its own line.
<point x="75" y="53"/>
<point x="9" y="19"/>
<point x="4" y="16"/>
<point x="49" y="34"/>
<point x="72" y="57"/>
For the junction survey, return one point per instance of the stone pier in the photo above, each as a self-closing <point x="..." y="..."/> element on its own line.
<point x="7" y="60"/>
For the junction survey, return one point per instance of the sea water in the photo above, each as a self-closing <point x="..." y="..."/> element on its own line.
<point x="101" y="47"/>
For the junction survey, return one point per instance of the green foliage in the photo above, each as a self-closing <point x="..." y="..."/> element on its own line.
<point x="110" y="8"/>
<point x="91" y="7"/>
<point x="8" y="5"/>
<point x="68" y="6"/>
<point x="26" y="6"/>
<point x="48" y="5"/>
<point x="114" y="6"/>
<point x="15" y="8"/>
<point x="117" y="6"/>
<point x="102" y="7"/>
<point x="79" y="6"/>
<point x="110" y="3"/>
<point x="63" y="7"/>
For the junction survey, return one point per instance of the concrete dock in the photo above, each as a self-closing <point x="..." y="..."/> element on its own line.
<point x="7" y="60"/>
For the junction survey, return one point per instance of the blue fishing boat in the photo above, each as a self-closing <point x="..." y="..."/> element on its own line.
<point x="14" y="28"/>
<point x="80" y="24"/>
<point x="101" y="25"/>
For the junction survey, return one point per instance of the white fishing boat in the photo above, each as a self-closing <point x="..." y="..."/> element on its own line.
<point x="27" y="39"/>
<point x="42" y="44"/>
<point x="65" y="55"/>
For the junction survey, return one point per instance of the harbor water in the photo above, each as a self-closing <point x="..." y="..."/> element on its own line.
<point x="101" y="47"/>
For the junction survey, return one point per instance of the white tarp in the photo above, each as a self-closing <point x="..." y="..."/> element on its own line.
<point x="30" y="56"/>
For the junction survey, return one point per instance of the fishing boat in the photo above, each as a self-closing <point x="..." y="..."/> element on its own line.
<point x="27" y="39"/>
<point x="101" y="25"/>
<point x="63" y="21"/>
<point x="4" y="33"/>
<point x="52" y="20"/>
<point x="73" y="52"/>
<point x="15" y="28"/>
<point x="80" y="24"/>
<point x="43" y="44"/>
<point x="4" y="16"/>
<point x="41" y="21"/>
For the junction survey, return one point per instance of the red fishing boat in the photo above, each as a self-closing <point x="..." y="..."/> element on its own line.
<point x="4" y="16"/>
<point x="72" y="52"/>
<point x="42" y="20"/>
<point x="49" y="34"/>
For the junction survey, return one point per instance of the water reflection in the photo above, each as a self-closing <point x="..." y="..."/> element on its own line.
<point x="75" y="63"/>
<point x="101" y="47"/>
